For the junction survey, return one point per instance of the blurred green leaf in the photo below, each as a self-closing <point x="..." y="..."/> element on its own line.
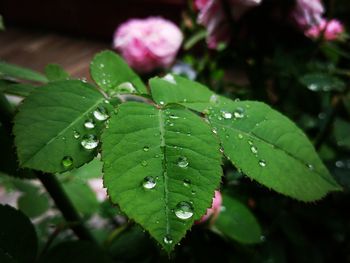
<point x="195" y="38"/>
<point x="342" y="132"/>
<point x="237" y="222"/>
<point x="17" y="72"/>
<point x="18" y="241"/>
<point x="16" y="89"/>
<point x="322" y="82"/>
<point x="33" y="204"/>
<point x="2" y="25"/>
<point x="55" y="72"/>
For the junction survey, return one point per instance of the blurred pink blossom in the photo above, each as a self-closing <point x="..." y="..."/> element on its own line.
<point x="147" y="44"/>
<point x="213" y="16"/>
<point x="329" y="30"/>
<point x="307" y="13"/>
<point x="215" y="209"/>
<point x="96" y="185"/>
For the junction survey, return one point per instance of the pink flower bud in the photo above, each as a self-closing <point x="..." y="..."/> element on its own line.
<point x="329" y="30"/>
<point x="147" y="44"/>
<point x="215" y="209"/>
<point x="96" y="185"/>
<point x="307" y="13"/>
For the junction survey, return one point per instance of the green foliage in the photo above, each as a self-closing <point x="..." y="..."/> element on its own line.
<point x="18" y="241"/>
<point x="59" y="121"/>
<point x="33" y="204"/>
<point x="55" y="72"/>
<point x="18" y="89"/>
<point x="342" y="133"/>
<point x="15" y="72"/>
<point x="322" y="82"/>
<point x="237" y="222"/>
<point x="161" y="165"/>
<point x="112" y="74"/>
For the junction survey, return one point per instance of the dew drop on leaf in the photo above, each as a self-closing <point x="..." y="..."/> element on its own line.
<point x="145" y="148"/>
<point x="149" y="182"/>
<point x="161" y="102"/>
<point x="262" y="163"/>
<point x="67" y="161"/>
<point x="226" y="114"/>
<point x="127" y="87"/>
<point x="100" y="114"/>
<point x="187" y="182"/>
<point x="254" y="149"/>
<point x="76" y="134"/>
<point x="310" y="166"/>
<point x="184" y="210"/>
<point x="238" y="113"/>
<point x="172" y="116"/>
<point x="240" y="136"/>
<point x="144" y="163"/>
<point x="182" y="162"/>
<point x="168" y="240"/>
<point x="89" y="142"/>
<point x="89" y="124"/>
<point x="170" y="78"/>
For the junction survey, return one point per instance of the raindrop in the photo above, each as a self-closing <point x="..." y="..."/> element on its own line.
<point x="170" y="78"/>
<point x="172" y="116"/>
<point x="226" y="114"/>
<point x="262" y="163"/>
<point x="254" y="149"/>
<point x="215" y="131"/>
<point x="168" y="240"/>
<point x="193" y="192"/>
<point x="182" y="162"/>
<point x="313" y="87"/>
<point x="106" y="101"/>
<point x="340" y="164"/>
<point x="127" y="87"/>
<point x="101" y="65"/>
<point x="89" y="142"/>
<point x="184" y="210"/>
<point x="146" y="148"/>
<point x="161" y="102"/>
<point x="67" y="161"/>
<point x="101" y="114"/>
<point x="214" y="99"/>
<point x="310" y="166"/>
<point x="221" y="150"/>
<point x="144" y="163"/>
<point x="240" y="136"/>
<point x="149" y="182"/>
<point x="76" y="134"/>
<point x="187" y="182"/>
<point x="239" y="113"/>
<point x="89" y="124"/>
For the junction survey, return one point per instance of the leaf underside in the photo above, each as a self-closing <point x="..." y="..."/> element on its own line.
<point x="147" y="142"/>
<point x="49" y="121"/>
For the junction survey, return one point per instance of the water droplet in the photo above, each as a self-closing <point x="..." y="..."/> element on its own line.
<point x="254" y="149"/>
<point x="101" y="114"/>
<point x="161" y="102"/>
<point x="184" y="210"/>
<point x="67" y="161"/>
<point x="240" y="136"/>
<point x="193" y="192"/>
<point x="214" y="99"/>
<point x="146" y="148"/>
<point x="313" y="87"/>
<point x="168" y="239"/>
<point x="310" y="166"/>
<point x="215" y="131"/>
<point x="340" y="164"/>
<point x="170" y="78"/>
<point x="106" y="101"/>
<point x="182" y="162"/>
<point x="149" y="182"/>
<point x="262" y="238"/>
<point x="187" y="182"/>
<point x="89" y="124"/>
<point x="89" y="142"/>
<point x="172" y="116"/>
<point x="127" y="87"/>
<point x="226" y="114"/>
<point x="76" y="134"/>
<point x="221" y="150"/>
<point x="144" y="163"/>
<point x="262" y="163"/>
<point x="101" y="65"/>
<point x="238" y="113"/>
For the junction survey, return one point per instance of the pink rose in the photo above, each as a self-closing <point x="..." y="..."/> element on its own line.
<point x="147" y="44"/>
<point x="215" y="209"/>
<point x="307" y="13"/>
<point x="329" y="30"/>
<point x="213" y="16"/>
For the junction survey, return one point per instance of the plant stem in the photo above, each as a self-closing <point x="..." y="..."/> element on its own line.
<point x="65" y="205"/>
<point x="49" y="181"/>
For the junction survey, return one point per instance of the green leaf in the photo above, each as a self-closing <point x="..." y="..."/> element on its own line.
<point x="18" y="241"/>
<point x="175" y="89"/>
<point x="271" y="149"/>
<point x="237" y="222"/>
<point x="2" y="25"/>
<point x="194" y="39"/>
<point x="76" y="252"/>
<point x="17" y="72"/>
<point x="50" y="127"/>
<point x="16" y="89"/>
<point x="342" y="133"/>
<point x="83" y="198"/>
<point x="33" y="204"/>
<point x="158" y="160"/>
<point x="112" y="74"/>
<point x="322" y="82"/>
<point x="55" y="72"/>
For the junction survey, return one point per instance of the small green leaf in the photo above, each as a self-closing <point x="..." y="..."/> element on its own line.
<point x="17" y="72"/>
<point x="55" y="72"/>
<point x="342" y="133"/>
<point x="161" y="166"/>
<point x="237" y="222"/>
<point x="175" y="89"/>
<point x="271" y="149"/>
<point x="33" y="204"/>
<point x="112" y="74"/>
<point x="322" y="82"/>
<point x="18" y="240"/>
<point x="194" y="39"/>
<point x="16" y="89"/>
<point x="58" y="126"/>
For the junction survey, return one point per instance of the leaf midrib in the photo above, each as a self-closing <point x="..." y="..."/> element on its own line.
<point x="64" y="130"/>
